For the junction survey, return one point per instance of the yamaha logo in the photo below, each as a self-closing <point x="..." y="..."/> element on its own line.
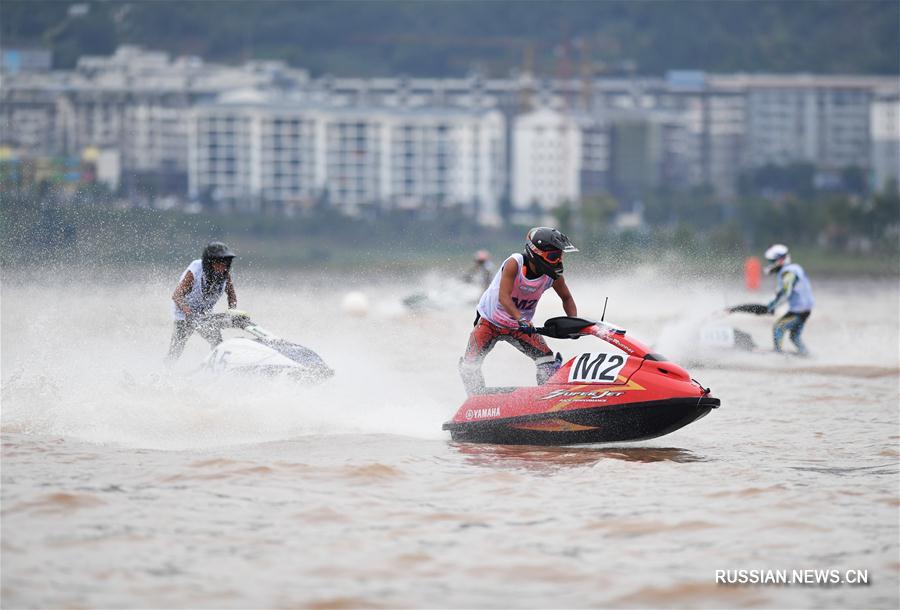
<point x="479" y="413"/>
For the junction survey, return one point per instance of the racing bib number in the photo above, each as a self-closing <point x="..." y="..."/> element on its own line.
<point x="525" y="304"/>
<point x="218" y="360"/>
<point x="596" y="367"/>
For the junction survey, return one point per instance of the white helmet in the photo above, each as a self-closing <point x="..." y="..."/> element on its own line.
<point x="777" y="257"/>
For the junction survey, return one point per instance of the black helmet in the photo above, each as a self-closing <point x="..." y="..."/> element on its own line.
<point x="544" y="248"/>
<point x="216" y="251"/>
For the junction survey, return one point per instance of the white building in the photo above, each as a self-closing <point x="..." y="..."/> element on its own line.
<point x="546" y="160"/>
<point x="710" y="128"/>
<point x="440" y="157"/>
<point x="134" y="101"/>
<point x="223" y="151"/>
<point x="251" y="150"/>
<point x="822" y="120"/>
<point x="885" y="135"/>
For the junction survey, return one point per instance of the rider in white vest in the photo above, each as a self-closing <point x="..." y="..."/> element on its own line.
<point x="793" y="286"/>
<point x="507" y="307"/>
<point x="201" y="286"/>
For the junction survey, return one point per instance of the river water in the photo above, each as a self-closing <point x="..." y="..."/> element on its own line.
<point x="128" y="484"/>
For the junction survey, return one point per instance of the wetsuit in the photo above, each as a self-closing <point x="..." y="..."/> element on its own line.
<point x="493" y="323"/>
<point x="792" y="285"/>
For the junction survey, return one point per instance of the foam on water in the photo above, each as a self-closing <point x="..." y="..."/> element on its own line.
<point x="90" y="366"/>
<point x="85" y="360"/>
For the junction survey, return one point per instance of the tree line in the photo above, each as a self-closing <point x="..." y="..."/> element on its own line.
<point x="44" y="221"/>
<point x="449" y="38"/>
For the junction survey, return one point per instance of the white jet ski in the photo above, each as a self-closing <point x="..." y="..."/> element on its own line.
<point x="262" y="353"/>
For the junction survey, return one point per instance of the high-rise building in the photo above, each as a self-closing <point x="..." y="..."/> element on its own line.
<point x="249" y="150"/>
<point x="546" y="158"/>
<point x="885" y="135"/>
<point x="820" y="120"/>
<point x="413" y="142"/>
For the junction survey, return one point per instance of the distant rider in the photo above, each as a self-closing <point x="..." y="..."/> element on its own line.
<point x="481" y="271"/>
<point x="507" y="306"/>
<point x="792" y="285"/>
<point x="199" y="289"/>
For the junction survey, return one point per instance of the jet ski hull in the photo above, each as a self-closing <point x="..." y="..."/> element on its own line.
<point x="263" y="353"/>
<point x="617" y="391"/>
<point x="602" y="424"/>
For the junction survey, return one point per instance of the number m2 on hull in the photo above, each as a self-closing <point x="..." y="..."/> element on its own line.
<point x="596" y="368"/>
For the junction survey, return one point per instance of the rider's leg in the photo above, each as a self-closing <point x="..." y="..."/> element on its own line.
<point x="796" y="330"/>
<point x="781" y="326"/>
<point x="180" y="334"/>
<point x="482" y="340"/>
<point x="534" y="346"/>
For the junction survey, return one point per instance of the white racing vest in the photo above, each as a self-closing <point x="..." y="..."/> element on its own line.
<point x="801" y="297"/>
<point x="525" y="294"/>
<point x="195" y="299"/>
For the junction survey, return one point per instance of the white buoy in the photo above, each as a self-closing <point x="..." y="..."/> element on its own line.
<point x="355" y="304"/>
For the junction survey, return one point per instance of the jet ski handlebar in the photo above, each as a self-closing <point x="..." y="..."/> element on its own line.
<point x="566" y="327"/>
<point x="563" y="327"/>
<point x="234" y="318"/>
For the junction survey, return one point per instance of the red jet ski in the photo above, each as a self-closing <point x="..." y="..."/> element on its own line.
<point x="617" y="391"/>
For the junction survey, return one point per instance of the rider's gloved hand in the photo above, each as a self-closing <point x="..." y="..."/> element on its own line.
<point x="771" y="307"/>
<point x="525" y="326"/>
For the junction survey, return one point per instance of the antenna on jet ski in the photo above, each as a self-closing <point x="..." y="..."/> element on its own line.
<point x="603" y="315"/>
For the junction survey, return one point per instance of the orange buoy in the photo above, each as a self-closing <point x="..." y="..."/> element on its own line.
<point x="752" y="273"/>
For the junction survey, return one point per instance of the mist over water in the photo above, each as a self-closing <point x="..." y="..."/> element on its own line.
<point x="130" y="483"/>
<point x="91" y="365"/>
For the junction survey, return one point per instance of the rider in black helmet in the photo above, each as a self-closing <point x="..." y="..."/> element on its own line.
<point x="199" y="289"/>
<point x="507" y="306"/>
<point x="544" y="249"/>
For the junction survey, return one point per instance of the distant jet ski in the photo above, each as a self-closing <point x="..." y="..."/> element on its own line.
<point x="262" y="353"/>
<point x="617" y="391"/>
<point x="725" y="335"/>
<point x="449" y="293"/>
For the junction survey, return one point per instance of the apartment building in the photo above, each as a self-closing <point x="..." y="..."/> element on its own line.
<point x="823" y="120"/>
<point x="546" y="161"/>
<point x="447" y="156"/>
<point x="390" y="140"/>
<point x="885" y="135"/>
<point x="250" y="150"/>
<point x="135" y="102"/>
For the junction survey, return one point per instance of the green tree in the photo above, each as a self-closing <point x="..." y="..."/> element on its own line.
<point x="443" y="38"/>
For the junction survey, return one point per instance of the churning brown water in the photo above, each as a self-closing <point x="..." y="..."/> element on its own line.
<point x="126" y="484"/>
